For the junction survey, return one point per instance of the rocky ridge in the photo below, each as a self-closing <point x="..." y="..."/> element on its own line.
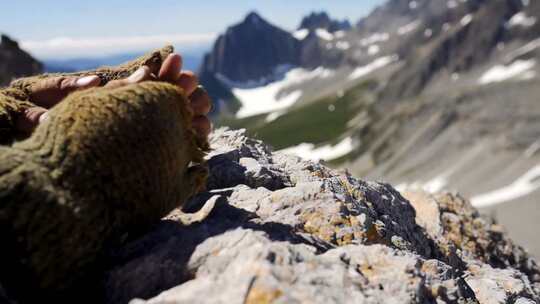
<point x="285" y="230"/>
<point x="321" y="20"/>
<point x="250" y="50"/>
<point x="14" y="62"/>
<point x="451" y="102"/>
<point x="255" y="52"/>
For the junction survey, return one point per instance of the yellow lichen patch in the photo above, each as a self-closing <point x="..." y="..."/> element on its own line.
<point x="315" y="224"/>
<point x="354" y="193"/>
<point x="339" y="229"/>
<point x="260" y="295"/>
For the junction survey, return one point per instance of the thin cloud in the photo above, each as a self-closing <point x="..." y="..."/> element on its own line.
<point x="102" y="46"/>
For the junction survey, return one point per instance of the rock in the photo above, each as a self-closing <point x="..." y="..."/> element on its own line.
<point x="321" y="20"/>
<point x="255" y="52"/>
<point x="250" y="50"/>
<point x="288" y="231"/>
<point x="14" y="62"/>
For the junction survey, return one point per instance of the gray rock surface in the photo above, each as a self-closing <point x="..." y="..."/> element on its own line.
<point x="289" y="231"/>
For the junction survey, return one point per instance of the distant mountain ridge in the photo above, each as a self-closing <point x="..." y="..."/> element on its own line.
<point x="251" y="50"/>
<point x="321" y="20"/>
<point x="14" y="62"/>
<point x="430" y="94"/>
<point x="456" y="36"/>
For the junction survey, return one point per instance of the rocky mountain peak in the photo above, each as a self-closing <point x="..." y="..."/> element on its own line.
<point x="321" y="20"/>
<point x="7" y="42"/>
<point x="254" y="19"/>
<point x="15" y="62"/>
<point x="251" y="50"/>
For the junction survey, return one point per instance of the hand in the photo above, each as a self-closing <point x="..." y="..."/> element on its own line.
<point x="171" y="72"/>
<point x="46" y="94"/>
<point x="51" y="91"/>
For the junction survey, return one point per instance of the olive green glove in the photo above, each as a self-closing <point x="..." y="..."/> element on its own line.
<point x="19" y="96"/>
<point x="107" y="161"/>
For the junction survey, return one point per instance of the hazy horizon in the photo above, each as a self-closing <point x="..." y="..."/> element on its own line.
<point x="70" y="30"/>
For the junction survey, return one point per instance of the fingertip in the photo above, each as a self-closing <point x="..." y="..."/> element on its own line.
<point x="141" y="74"/>
<point x="200" y="101"/>
<point x="29" y="120"/>
<point x="202" y="125"/>
<point x="188" y="81"/>
<point x="88" y="82"/>
<point x="44" y="116"/>
<point x="171" y="67"/>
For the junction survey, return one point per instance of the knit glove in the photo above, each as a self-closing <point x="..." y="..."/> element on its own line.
<point x="107" y="161"/>
<point x="15" y="99"/>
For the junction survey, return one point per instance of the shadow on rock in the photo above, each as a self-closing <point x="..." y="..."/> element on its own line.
<point x="159" y="260"/>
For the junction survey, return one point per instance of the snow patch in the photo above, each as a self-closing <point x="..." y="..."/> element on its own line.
<point x="526" y="184"/>
<point x="339" y="34"/>
<point x="301" y="34"/>
<point x="343" y="45"/>
<point x="375" y="65"/>
<point x="324" y="34"/>
<point x="373" y="49"/>
<point x="377" y="37"/>
<point x="409" y="27"/>
<point x="327" y="152"/>
<point x="451" y="4"/>
<point x="269" y="98"/>
<point x="413" y="5"/>
<point x="466" y="20"/>
<point x="502" y="73"/>
<point x="521" y="19"/>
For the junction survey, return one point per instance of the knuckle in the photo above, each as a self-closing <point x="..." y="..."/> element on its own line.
<point x="66" y="83"/>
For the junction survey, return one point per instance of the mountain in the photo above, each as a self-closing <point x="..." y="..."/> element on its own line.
<point x="460" y="110"/>
<point x="462" y="37"/>
<point x="321" y="20"/>
<point x="14" y="62"/>
<point x="255" y="52"/>
<point x="251" y="50"/>
<point x="430" y="94"/>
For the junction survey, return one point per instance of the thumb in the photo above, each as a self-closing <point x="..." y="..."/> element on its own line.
<point x="50" y="91"/>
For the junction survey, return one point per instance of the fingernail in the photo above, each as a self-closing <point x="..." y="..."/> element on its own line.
<point x="200" y="87"/>
<point x="86" y="81"/>
<point x="43" y="117"/>
<point x="137" y="75"/>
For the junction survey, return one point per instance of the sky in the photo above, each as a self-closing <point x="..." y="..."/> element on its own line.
<point x="55" y="29"/>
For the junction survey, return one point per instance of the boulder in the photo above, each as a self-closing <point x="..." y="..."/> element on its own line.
<point x="284" y="230"/>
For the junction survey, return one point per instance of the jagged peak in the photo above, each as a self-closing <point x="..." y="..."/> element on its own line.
<point x="5" y="40"/>
<point x="254" y="18"/>
<point x="322" y="19"/>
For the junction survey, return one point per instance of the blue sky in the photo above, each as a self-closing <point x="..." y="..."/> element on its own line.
<point x="53" y="28"/>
